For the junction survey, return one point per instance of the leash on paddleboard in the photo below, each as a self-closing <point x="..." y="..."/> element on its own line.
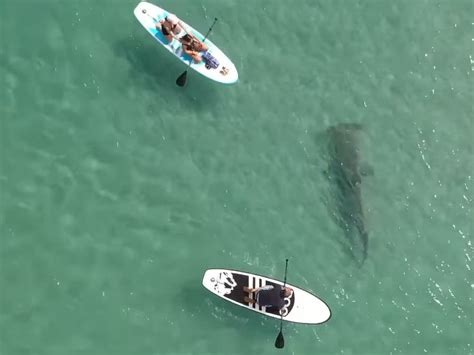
<point x="146" y="13"/>
<point x="181" y="81"/>
<point x="280" y="341"/>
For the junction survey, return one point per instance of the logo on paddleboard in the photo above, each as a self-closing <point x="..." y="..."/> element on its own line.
<point x="224" y="71"/>
<point x="285" y="309"/>
<point x="224" y="283"/>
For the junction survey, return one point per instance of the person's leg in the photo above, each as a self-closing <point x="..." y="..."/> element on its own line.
<point x="197" y="58"/>
<point x="249" y="300"/>
<point x="249" y="290"/>
<point x="159" y="27"/>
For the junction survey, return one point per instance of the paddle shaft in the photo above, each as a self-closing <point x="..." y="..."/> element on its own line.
<point x="286" y="269"/>
<point x="210" y="29"/>
<point x="280" y="341"/>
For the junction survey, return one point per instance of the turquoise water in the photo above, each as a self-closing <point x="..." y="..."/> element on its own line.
<point x="118" y="189"/>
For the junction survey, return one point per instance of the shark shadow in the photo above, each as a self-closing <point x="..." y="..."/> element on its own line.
<point x="345" y="172"/>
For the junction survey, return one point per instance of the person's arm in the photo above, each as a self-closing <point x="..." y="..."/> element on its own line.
<point x="266" y="287"/>
<point x="189" y="51"/>
<point x="186" y="50"/>
<point x="173" y="35"/>
<point x="183" y="27"/>
<point x="197" y="39"/>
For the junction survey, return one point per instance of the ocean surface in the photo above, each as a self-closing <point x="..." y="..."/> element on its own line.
<point x="118" y="189"/>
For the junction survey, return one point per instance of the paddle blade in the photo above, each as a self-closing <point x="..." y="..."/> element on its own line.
<point x="181" y="81"/>
<point x="280" y="341"/>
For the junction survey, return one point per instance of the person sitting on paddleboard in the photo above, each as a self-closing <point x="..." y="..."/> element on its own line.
<point x="171" y="27"/>
<point x="269" y="296"/>
<point x="193" y="46"/>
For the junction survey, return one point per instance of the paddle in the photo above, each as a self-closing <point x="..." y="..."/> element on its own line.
<point x="181" y="81"/>
<point x="280" y="341"/>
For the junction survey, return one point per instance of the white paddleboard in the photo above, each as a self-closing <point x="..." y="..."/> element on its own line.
<point x="148" y="15"/>
<point x="300" y="307"/>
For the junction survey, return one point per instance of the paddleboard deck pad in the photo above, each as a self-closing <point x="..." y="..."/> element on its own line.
<point x="149" y="15"/>
<point x="301" y="307"/>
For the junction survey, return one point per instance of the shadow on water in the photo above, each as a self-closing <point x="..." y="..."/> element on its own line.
<point x="156" y="70"/>
<point x="214" y="312"/>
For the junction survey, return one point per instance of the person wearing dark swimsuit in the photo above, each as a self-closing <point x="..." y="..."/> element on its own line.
<point x="171" y="27"/>
<point x="268" y="296"/>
